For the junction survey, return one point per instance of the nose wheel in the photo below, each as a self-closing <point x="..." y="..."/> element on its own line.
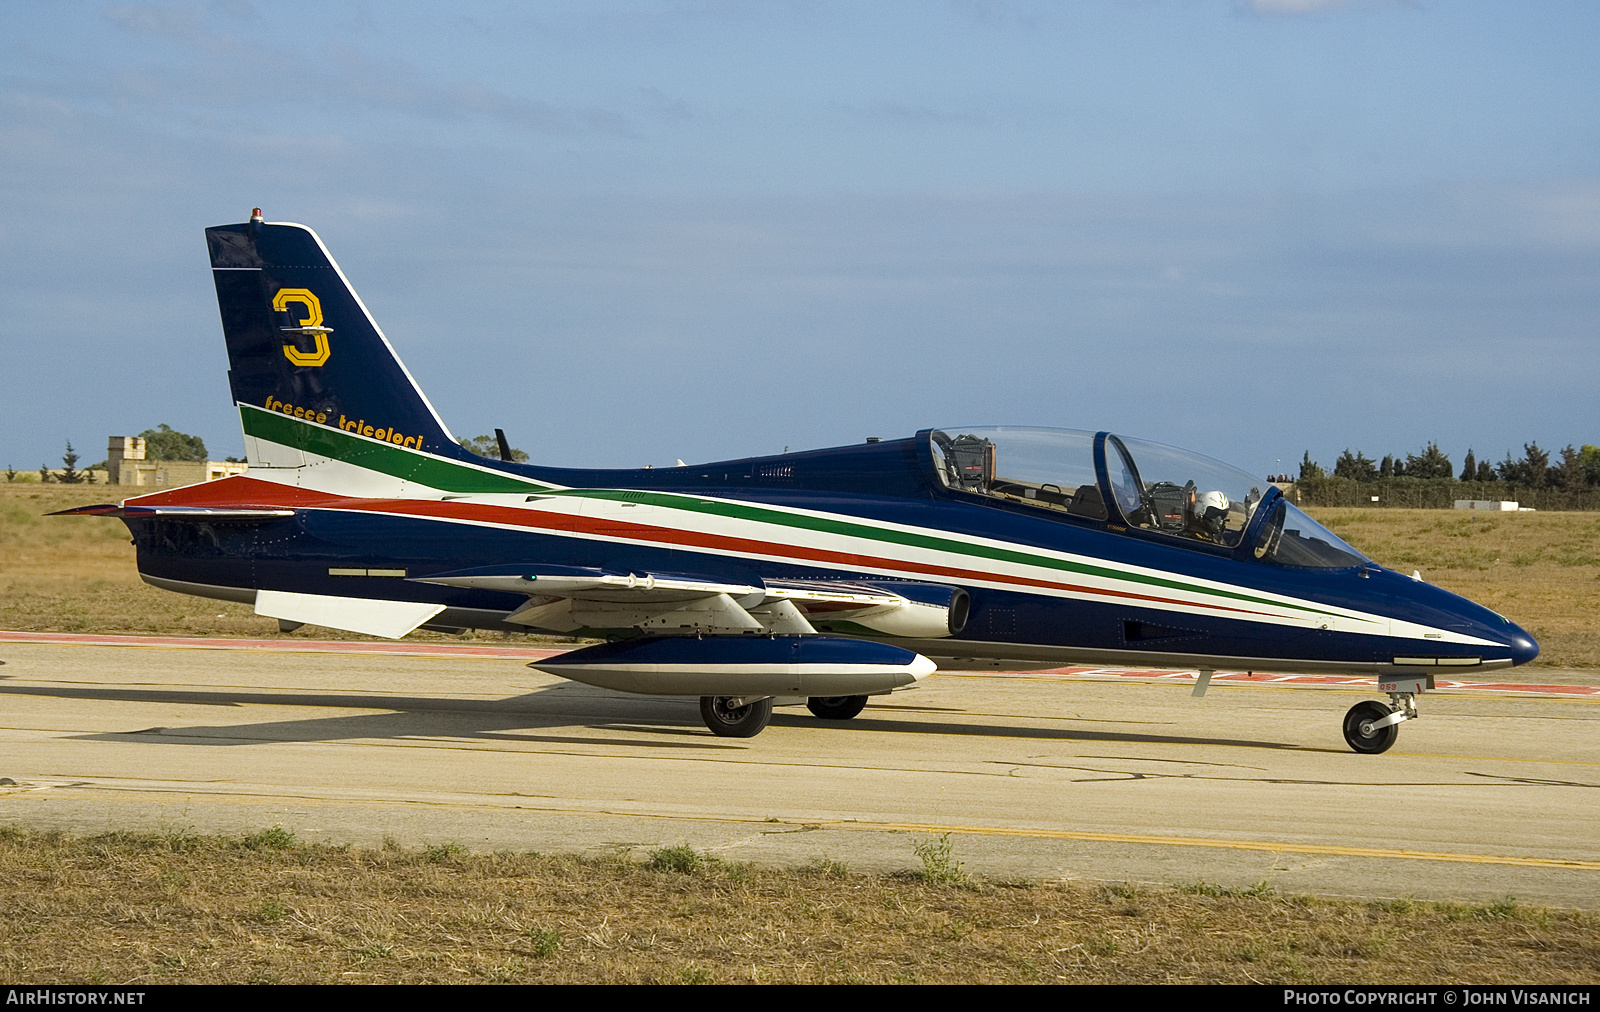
<point x="1371" y="727"/>
<point x="1362" y="730"/>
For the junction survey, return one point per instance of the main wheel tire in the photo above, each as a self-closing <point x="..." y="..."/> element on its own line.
<point x="1359" y="734"/>
<point x="735" y="721"/>
<point x="836" y="707"/>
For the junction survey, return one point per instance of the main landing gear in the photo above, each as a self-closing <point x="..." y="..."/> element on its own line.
<point x="745" y="716"/>
<point x="736" y="716"/>
<point x="1371" y="727"/>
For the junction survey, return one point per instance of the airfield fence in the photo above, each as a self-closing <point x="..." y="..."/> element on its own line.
<point x="1436" y="493"/>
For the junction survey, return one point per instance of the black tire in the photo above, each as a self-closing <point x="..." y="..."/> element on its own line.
<point x="836" y="707"/>
<point x="1372" y="742"/>
<point x="735" y="721"/>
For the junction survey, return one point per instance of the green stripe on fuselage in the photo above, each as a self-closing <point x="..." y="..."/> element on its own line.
<point x="411" y="465"/>
<point x="912" y="539"/>
<point x="449" y="476"/>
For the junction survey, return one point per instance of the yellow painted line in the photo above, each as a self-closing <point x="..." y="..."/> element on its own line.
<point x="1193" y="841"/>
<point x="532" y="804"/>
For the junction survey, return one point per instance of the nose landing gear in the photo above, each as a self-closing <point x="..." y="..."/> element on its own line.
<point x="1371" y="727"/>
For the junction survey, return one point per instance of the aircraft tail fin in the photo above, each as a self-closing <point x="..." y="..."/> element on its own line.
<point x="313" y="376"/>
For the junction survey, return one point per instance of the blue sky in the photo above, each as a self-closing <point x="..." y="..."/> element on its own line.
<point x="633" y="232"/>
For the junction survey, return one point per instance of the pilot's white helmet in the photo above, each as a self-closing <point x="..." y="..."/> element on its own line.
<point x="1211" y="501"/>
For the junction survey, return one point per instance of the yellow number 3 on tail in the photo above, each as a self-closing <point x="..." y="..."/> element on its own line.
<point x="311" y="323"/>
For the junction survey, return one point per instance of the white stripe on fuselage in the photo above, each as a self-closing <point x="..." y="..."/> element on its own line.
<point x="338" y="477"/>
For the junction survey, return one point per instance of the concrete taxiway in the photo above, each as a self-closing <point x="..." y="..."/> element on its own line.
<point x="1076" y="774"/>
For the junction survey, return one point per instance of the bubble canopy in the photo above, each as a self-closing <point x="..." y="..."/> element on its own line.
<point x="1145" y="485"/>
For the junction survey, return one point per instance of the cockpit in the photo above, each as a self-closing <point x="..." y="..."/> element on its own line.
<point x="1049" y="468"/>
<point x="1137" y="483"/>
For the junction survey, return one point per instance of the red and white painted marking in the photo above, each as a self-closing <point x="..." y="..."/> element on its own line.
<point x="530" y="653"/>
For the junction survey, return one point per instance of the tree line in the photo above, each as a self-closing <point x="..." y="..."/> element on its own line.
<point x="1430" y="479"/>
<point x="1577" y="469"/>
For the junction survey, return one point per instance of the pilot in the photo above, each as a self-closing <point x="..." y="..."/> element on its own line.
<point x="1210" y="515"/>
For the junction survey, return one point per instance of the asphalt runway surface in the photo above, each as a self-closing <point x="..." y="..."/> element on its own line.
<point x="1078" y="774"/>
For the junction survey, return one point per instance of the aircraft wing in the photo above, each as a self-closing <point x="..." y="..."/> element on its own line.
<point x="566" y="599"/>
<point x="589" y="584"/>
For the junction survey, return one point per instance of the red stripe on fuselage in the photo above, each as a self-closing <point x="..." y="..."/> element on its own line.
<point x="244" y="492"/>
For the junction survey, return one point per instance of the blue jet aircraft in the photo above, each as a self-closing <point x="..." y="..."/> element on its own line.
<point x="822" y="577"/>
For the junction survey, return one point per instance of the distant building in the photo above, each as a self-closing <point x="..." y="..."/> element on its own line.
<point x="125" y="465"/>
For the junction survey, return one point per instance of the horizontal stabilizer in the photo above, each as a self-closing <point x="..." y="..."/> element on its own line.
<point x="392" y="619"/>
<point x="104" y="509"/>
<point x="242" y="513"/>
<point x="742" y="666"/>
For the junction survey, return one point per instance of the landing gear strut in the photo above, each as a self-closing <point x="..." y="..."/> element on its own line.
<point x="1371" y="727"/>
<point x="736" y="716"/>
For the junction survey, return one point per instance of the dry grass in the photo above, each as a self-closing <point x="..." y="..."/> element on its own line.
<point x="177" y="908"/>
<point x="76" y="574"/>
<point x="1541" y="570"/>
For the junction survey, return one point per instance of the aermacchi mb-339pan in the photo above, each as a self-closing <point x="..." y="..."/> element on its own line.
<point x="821" y="577"/>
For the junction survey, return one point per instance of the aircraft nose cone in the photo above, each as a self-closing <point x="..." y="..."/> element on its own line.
<point x="1523" y="647"/>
